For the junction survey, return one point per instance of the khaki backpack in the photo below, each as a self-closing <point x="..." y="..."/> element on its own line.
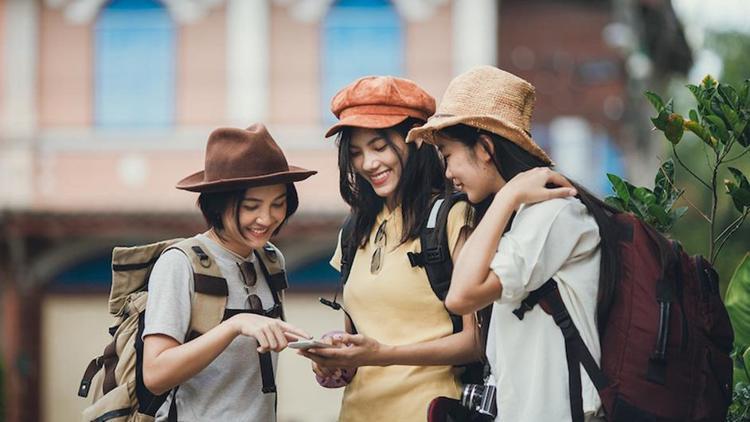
<point x="119" y="393"/>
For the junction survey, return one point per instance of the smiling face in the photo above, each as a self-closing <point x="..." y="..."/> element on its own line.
<point x="471" y="169"/>
<point x="377" y="161"/>
<point x="260" y="212"/>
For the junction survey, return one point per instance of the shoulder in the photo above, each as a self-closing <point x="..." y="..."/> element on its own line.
<point x="558" y="209"/>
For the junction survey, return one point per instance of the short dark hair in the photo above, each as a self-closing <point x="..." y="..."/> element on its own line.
<point x="213" y="205"/>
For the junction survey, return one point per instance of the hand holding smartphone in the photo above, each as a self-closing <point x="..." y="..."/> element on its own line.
<point x="305" y="344"/>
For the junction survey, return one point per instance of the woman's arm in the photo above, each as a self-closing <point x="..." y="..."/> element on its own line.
<point x="167" y="363"/>
<point x="473" y="285"/>
<point x="455" y="349"/>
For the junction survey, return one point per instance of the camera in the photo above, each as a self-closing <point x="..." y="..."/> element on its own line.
<point x="480" y="398"/>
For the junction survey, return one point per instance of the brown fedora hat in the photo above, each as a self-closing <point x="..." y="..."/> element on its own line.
<point x="242" y="158"/>
<point x="487" y="98"/>
<point x="378" y="102"/>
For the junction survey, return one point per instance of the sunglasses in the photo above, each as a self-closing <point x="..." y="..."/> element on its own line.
<point x="376" y="263"/>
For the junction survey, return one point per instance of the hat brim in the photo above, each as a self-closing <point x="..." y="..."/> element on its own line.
<point x="196" y="183"/>
<point x="426" y="132"/>
<point x="366" y="121"/>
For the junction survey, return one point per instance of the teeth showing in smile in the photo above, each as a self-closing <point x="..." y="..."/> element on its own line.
<point x="259" y="231"/>
<point x="380" y="177"/>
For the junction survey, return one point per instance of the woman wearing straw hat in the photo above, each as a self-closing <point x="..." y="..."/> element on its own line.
<point x="246" y="194"/>
<point x="406" y="347"/>
<point x="536" y="226"/>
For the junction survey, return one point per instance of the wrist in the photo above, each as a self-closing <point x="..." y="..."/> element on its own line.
<point x="386" y="355"/>
<point x="507" y="198"/>
<point x="232" y="326"/>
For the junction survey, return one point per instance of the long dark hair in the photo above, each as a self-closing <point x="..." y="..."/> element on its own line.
<point x="421" y="178"/>
<point x="510" y="160"/>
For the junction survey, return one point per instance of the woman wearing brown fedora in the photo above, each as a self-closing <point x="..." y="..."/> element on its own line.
<point x="536" y="226"/>
<point x="246" y="194"/>
<point x="406" y="346"/>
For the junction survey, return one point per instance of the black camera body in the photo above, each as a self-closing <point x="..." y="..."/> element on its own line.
<point x="480" y="398"/>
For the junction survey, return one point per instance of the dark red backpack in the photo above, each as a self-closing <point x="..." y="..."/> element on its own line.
<point x="666" y="341"/>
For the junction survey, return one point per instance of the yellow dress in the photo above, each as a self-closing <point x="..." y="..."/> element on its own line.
<point x="397" y="306"/>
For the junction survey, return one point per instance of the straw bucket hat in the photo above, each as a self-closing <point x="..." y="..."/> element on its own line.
<point x="242" y="158"/>
<point x="487" y="98"/>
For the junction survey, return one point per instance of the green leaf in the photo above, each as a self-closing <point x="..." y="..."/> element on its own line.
<point x="660" y="121"/>
<point x="661" y="216"/>
<point x="697" y="92"/>
<point x="669" y="106"/>
<point x="664" y="180"/>
<point x="615" y="202"/>
<point x="729" y="95"/>
<point x="708" y="82"/>
<point x="655" y="101"/>
<point x="693" y="115"/>
<point x="620" y="188"/>
<point x="745" y="94"/>
<point x="720" y="131"/>
<point x="740" y="196"/>
<point x="645" y="195"/>
<point x="739" y="177"/>
<point x="701" y="132"/>
<point x="732" y="118"/>
<point x="675" y="128"/>
<point x="737" y="302"/>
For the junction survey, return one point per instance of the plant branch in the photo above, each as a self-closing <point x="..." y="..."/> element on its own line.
<point x="682" y="195"/>
<point x="729" y="234"/>
<point x="730" y="225"/>
<point x="714" y="204"/>
<point x="674" y="150"/>
<point x="738" y="156"/>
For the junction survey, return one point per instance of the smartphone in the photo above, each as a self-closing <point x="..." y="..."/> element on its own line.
<point x="308" y="344"/>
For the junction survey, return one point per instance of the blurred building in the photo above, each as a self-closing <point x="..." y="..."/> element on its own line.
<point x="104" y="105"/>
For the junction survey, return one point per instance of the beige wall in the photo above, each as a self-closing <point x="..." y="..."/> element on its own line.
<point x="201" y="71"/>
<point x="2" y="56"/>
<point x="295" y="70"/>
<point x="429" y="57"/>
<point x="74" y="330"/>
<point x="101" y="180"/>
<point x="65" y="71"/>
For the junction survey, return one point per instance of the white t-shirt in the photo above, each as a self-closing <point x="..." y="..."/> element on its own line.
<point x="230" y="387"/>
<point x="559" y="239"/>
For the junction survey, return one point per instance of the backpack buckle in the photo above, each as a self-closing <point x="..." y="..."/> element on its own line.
<point x="270" y="253"/>
<point x="415" y="259"/>
<point x="205" y="261"/>
<point x="434" y="255"/>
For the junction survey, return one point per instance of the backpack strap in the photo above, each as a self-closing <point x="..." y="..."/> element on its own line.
<point x="210" y="288"/>
<point x="273" y="269"/>
<point x="348" y="252"/>
<point x="576" y="352"/>
<point x="435" y="257"/>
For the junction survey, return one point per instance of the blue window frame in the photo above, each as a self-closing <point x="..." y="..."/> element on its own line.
<point x="134" y="52"/>
<point x="360" y="37"/>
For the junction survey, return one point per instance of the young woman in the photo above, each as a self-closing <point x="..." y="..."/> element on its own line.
<point x="246" y="195"/>
<point x="536" y="226"/>
<point x="405" y="348"/>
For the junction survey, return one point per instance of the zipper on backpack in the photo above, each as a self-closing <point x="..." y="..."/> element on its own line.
<point x="113" y="414"/>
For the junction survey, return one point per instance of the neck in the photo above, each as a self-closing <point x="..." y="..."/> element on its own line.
<point x="391" y="203"/>
<point x="238" y="248"/>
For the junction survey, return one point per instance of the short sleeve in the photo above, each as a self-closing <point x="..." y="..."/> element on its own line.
<point x="457" y="220"/>
<point x="543" y="237"/>
<point x="169" y="290"/>
<point x="336" y="258"/>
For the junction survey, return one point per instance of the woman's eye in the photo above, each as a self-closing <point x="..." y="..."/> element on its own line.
<point x="354" y="153"/>
<point x="249" y="207"/>
<point x="380" y="148"/>
<point x="279" y="205"/>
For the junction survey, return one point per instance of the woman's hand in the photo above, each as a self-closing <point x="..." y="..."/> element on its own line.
<point x="353" y="351"/>
<point x="530" y="187"/>
<point x="271" y="334"/>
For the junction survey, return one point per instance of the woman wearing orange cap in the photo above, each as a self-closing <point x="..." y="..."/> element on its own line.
<point x="405" y="346"/>
<point x="246" y="194"/>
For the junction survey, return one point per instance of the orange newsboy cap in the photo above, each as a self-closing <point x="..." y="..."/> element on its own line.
<point x="378" y="102"/>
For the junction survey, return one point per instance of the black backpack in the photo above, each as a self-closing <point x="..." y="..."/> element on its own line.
<point x="435" y="258"/>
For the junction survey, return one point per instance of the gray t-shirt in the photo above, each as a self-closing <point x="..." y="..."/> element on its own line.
<point x="230" y="387"/>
